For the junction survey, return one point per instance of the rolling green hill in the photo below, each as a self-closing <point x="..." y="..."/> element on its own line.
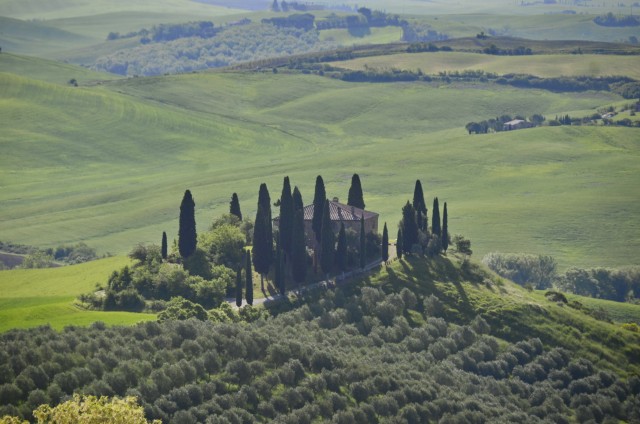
<point x="421" y="340"/>
<point x="29" y="298"/>
<point x="545" y="66"/>
<point x="108" y="164"/>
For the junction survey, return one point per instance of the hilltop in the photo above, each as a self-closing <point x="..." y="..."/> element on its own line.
<point x="422" y="339"/>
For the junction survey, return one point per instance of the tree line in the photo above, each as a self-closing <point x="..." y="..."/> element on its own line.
<point x="540" y="272"/>
<point x="202" y="269"/>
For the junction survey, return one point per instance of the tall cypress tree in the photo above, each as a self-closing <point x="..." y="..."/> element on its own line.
<point x="286" y="217"/>
<point x="279" y="271"/>
<point x="363" y="244"/>
<point x="399" y="243"/>
<point x="355" y="193"/>
<point x="234" y="206"/>
<point x="409" y="227"/>
<point x="249" y="280"/>
<point x="420" y="206"/>
<point x="263" y="235"/>
<point x="164" y="248"/>
<point x="239" y="287"/>
<point x="327" y="241"/>
<point x="299" y="249"/>
<point x="435" y="218"/>
<point x="385" y="243"/>
<point x="319" y="197"/>
<point x="445" y="229"/>
<point x="341" y="249"/>
<point x="297" y="199"/>
<point x="187" y="237"/>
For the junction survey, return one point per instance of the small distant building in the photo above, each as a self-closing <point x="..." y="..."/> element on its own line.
<point x="339" y="213"/>
<point x="516" y="124"/>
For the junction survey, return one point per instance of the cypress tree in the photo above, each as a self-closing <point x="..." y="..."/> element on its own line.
<point x="297" y="200"/>
<point x="341" y="249"/>
<point x="409" y="227"/>
<point x="327" y="241"/>
<point x="234" y="206"/>
<point x="299" y="253"/>
<point x="399" y="243"/>
<point x="279" y="271"/>
<point x="355" y="193"/>
<point x="319" y="197"/>
<point x="286" y="217"/>
<point x="385" y="243"/>
<point x="187" y="237"/>
<point x="239" y="287"/>
<point x="363" y="244"/>
<point x="445" y="229"/>
<point x="263" y="235"/>
<point x="435" y="218"/>
<point x="420" y="206"/>
<point x="249" y="280"/>
<point x="164" y="249"/>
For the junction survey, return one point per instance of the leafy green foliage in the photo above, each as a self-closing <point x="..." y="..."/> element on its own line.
<point x="613" y="284"/>
<point x="230" y="46"/>
<point x="537" y="270"/>
<point x="179" y="308"/>
<point x="400" y="345"/>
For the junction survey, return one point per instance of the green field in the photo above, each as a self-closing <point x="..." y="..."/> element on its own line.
<point x="29" y="298"/>
<point x="108" y="164"/>
<point x="377" y="36"/>
<point x="545" y="66"/>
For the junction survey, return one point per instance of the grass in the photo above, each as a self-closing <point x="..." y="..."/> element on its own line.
<point x="108" y="164"/>
<point x="513" y="313"/>
<point x="29" y="298"/>
<point x="546" y="66"/>
<point x="377" y="36"/>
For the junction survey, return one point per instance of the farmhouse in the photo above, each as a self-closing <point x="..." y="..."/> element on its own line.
<point x="516" y="124"/>
<point x="340" y="213"/>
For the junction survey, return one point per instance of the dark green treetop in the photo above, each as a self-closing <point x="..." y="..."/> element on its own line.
<point x="319" y="197"/>
<point x="263" y="233"/>
<point x="385" y="243"/>
<point x="435" y="218"/>
<point x="355" y="193"/>
<point x="187" y="237"/>
<point x="409" y="227"/>
<point x="234" y="206"/>
<point x="285" y="226"/>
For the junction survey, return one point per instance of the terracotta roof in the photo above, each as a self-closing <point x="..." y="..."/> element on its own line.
<point x="339" y="212"/>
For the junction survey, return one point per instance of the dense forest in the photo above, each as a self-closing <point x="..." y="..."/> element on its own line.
<point x="357" y="355"/>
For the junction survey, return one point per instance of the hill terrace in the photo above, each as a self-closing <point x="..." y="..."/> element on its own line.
<point x="340" y="213"/>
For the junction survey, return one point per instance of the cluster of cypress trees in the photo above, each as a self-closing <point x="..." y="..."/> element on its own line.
<point x="289" y="258"/>
<point x="413" y="229"/>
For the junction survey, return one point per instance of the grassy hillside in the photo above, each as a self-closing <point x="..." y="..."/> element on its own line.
<point x="67" y="28"/>
<point x="108" y="164"/>
<point x="545" y="66"/>
<point x="49" y="71"/>
<point x="29" y="298"/>
<point x="512" y="312"/>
